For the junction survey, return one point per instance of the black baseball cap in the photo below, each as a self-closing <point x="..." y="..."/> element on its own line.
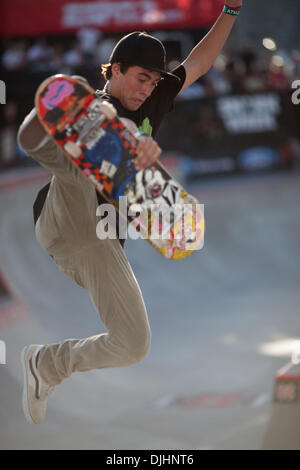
<point x="142" y="49"/>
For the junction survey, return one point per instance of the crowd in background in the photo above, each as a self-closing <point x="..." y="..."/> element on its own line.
<point x="249" y="69"/>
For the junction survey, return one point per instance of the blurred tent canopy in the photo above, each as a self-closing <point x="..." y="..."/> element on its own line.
<point x="33" y="17"/>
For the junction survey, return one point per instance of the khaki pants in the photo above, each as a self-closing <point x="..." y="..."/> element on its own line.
<point x="66" y="229"/>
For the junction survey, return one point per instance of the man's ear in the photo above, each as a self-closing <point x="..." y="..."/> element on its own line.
<point x="115" y="70"/>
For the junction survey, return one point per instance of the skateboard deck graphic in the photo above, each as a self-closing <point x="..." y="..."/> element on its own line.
<point x="93" y="137"/>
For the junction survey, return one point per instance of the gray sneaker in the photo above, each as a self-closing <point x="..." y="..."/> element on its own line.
<point x="35" y="390"/>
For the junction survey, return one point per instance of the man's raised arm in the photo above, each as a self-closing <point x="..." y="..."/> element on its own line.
<point x="202" y="57"/>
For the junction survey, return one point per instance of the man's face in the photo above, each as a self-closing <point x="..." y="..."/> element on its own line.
<point x="134" y="86"/>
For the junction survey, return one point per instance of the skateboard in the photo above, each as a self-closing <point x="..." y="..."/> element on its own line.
<point x="103" y="148"/>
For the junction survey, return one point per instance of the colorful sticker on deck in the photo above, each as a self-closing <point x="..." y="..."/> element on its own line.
<point x="56" y="93"/>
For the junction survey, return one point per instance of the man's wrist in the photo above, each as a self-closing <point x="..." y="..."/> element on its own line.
<point x="233" y="11"/>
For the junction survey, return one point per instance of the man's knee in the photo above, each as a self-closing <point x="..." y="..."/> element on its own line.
<point x="139" y="346"/>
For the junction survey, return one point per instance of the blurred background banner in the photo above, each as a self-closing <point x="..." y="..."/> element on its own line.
<point x="26" y="18"/>
<point x="229" y="133"/>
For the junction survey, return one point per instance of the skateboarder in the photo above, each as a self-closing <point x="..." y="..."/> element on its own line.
<point x="141" y="90"/>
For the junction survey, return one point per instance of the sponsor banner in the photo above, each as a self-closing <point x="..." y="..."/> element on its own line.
<point x="27" y="18"/>
<point x="232" y="132"/>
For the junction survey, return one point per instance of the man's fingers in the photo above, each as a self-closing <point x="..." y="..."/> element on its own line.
<point x="148" y="152"/>
<point x="147" y="148"/>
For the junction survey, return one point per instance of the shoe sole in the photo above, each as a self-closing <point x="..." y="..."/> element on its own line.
<point x="25" y="387"/>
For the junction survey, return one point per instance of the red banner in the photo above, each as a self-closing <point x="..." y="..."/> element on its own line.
<point x="38" y="17"/>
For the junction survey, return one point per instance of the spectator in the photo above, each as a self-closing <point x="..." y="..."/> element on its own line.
<point x="8" y="134"/>
<point x="88" y="38"/>
<point x="73" y="57"/>
<point x="40" y="55"/>
<point x="14" y="57"/>
<point x="295" y="65"/>
<point x="57" y="63"/>
<point x="206" y="125"/>
<point x="249" y="57"/>
<point x="103" y="50"/>
<point x="220" y="83"/>
<point x="234" y="72"/>
<point x="278" y="78"/>
<point x="254" y="81"/>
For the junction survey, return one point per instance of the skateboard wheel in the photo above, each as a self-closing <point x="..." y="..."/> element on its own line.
<point x="73" y="149"/>
<point x="108" y="110"/>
